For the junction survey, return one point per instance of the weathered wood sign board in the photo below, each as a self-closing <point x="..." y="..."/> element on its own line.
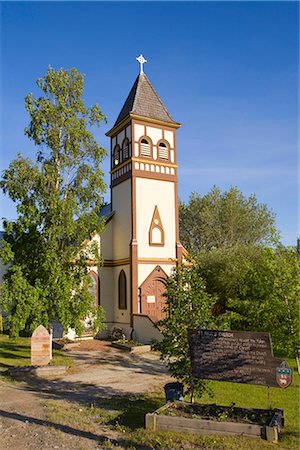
<point x="40" y="347"/>
<point x="240" y="357"/>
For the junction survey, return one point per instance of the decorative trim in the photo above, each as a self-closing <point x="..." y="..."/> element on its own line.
<point x="121" y="178"/>
<point x="140" y="160"/>
<point x="118" y="127"/>
<point x="156" y="223"/>
<point x="156" y="121"/>
<point x="116" y="262"/>
<point x="155" y="162"/>
<point x="120" y="166"/>
<point x="169" y="262"/>
<point x="155" y="176"/>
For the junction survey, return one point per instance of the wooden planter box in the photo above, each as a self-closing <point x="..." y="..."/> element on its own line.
<point x="132" y="348"/>
<point x="158" y="421"/>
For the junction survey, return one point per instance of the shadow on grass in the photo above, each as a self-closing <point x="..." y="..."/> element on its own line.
<point x="132" y="407"/>
<point x="65" y="429"/>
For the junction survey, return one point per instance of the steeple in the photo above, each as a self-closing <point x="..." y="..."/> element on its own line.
<point x="143" y="101"/>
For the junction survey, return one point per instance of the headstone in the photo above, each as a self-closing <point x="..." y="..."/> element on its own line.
<point x="236" y="356"/>
<point x="40" y="347"/>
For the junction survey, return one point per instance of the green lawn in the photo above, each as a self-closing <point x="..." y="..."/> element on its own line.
<point x="16" y="352"/>
<point x="127" y="414"/>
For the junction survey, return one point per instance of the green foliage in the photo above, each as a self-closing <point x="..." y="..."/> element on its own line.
<point x="257" y="290"/>
<point x="187" y="306"/>
<point x="58" y="198"/>
<point x="224" y="220"/>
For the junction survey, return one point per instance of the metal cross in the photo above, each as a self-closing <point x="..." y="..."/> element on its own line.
<point x="142" y="61"/>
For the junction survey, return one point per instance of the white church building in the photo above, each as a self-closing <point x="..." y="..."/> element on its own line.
<point x="141" y="241"/>
<point x="140" y="244"/>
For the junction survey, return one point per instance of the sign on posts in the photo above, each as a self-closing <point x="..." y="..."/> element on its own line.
<point x="237" y="356"/>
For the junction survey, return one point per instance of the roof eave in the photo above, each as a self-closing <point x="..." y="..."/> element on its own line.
<point x="119" y="126"/>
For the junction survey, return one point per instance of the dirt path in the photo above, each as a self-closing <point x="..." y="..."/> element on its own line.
<point x="30" y="411"/>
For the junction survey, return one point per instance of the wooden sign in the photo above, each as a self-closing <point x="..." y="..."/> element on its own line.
<point x="236" y="356"/>
<point x="40" y="347"/>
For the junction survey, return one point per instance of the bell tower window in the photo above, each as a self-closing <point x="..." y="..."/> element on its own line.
<point x="163" y="150"/>
<point x="116" y="155"/>
<point x="145" y="147"/>
<point x="125" y="149"/>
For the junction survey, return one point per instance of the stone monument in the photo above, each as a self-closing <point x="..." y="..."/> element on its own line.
<point x="41" y="348"/>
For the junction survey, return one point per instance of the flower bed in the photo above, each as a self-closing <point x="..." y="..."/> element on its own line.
<point x="219" y="420"/>
<point x="131" y="346"/>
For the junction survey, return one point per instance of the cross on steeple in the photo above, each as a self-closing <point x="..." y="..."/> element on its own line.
<point x="142" y="61"/>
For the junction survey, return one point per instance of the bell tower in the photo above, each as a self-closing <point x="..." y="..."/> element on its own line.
<point x="144" y="203"/>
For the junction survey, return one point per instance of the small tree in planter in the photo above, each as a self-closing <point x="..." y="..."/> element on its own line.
<point x="187" y="306"/>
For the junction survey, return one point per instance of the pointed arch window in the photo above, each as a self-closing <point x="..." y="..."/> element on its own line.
<point x="163" y="150"/>
<point x="156" y="231"/>
<point x="122" y="288"/>
<point x="94" y="287"/>
<point x="125" y="149"/>
<point x="116" y="155"/>
<point x="145" y="147"/>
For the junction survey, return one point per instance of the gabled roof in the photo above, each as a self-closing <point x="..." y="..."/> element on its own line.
<point x="144" y="101"/>
<point x="106" y="212"/>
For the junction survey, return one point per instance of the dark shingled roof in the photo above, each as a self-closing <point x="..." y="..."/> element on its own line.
<point x="144" y="101"/>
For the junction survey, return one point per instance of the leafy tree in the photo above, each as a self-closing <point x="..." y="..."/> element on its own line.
<point x="224" y="220"/>
<point x="258" y="290"/>
<point x="58" y="198"/>
<point x="187" y="306"/>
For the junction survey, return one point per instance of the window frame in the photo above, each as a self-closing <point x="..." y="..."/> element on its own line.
<point x="95" y="276"/>
<point x="116" y="148"/>
<point x="122" y="276"/>
<point x="146" y="138"/>
<point x="167" y="145"/>
<point x="126" y="140"/>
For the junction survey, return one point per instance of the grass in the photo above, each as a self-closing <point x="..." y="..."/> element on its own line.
<point x="126" y="415"/>
<point x="16" y="353"/>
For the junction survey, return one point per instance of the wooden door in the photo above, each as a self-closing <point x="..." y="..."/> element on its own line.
<point x="152" y="290"/>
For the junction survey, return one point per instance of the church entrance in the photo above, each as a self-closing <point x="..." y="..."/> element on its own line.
<point x="152" y="289"/>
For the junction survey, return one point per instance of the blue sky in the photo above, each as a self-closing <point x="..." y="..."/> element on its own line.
<point x="227" y="71"/>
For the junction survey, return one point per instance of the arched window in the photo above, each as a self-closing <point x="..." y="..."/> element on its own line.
<point x="116" y="155"/>
<point x="122" y="291"/>
<point x="163" y="150"/>
<point x="94" y="287"/>
<point x="145" y="147"/>
<point x="125" y="149"/>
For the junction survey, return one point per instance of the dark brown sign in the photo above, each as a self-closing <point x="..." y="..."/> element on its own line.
<point x="236" y="356"/>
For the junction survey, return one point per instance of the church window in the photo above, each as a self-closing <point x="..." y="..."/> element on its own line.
<point x="163" y="151"/>
<point x="94" y="287"/>
<point x="156" y="230"/>
<point x="122" y="291"/>
<point x="125" y="149"/>
<point x="116" y="155"/>
<point x="145" y="147"/>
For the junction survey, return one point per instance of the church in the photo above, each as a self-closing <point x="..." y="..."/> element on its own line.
<point x="140" y="244"/>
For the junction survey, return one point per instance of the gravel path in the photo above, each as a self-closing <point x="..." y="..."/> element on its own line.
<point x="100" y="371"/>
